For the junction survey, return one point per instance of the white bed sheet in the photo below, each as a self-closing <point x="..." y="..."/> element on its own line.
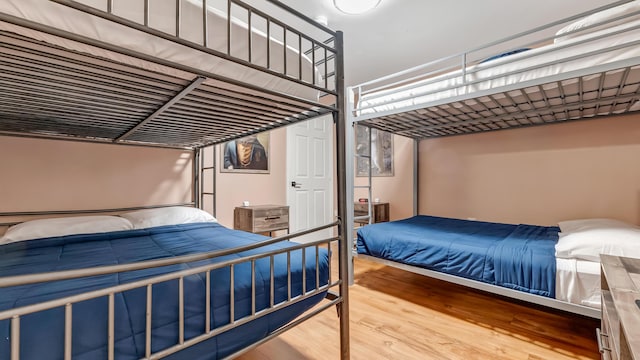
<point x="439" y="89"/>
<point x="77" y="22"/>
<point x="578" y="282"/>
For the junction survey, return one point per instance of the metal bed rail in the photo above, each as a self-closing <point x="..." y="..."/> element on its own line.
<point x="256" y="21"/>
<point x="15" y="314"/>
<point x="465" y="76"/>
<point x="462" y="67"/>
<point x="490" y="288"/>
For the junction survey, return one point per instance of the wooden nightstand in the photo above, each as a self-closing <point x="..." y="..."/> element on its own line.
<point x="380" y="211"/>
<point x="620" y="327"/>
<point x="261" y="218"/>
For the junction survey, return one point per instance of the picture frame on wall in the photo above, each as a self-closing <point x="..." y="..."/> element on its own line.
<point x="381" y="152"/>
<point x="249" y="154"/>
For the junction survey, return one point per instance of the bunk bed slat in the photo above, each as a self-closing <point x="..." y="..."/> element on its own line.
<point x="50" y="91"/>
<point x="131" y="100"/>
<point x="194" y="84"/>
<point x="607" y="93"/>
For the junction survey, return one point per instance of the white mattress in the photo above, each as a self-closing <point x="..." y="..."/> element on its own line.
<point x="578" y="282"/>
<point x="534" y="64"/>
<point x="163" y="18"/>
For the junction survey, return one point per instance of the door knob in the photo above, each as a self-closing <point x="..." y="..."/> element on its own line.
<point x="296" y="185"/>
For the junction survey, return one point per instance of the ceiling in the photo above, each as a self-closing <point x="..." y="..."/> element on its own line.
<point x="400" y="34"/>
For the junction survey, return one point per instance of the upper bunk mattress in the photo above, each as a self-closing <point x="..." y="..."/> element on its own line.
<point x="162" y="18"/>
<point x="565" y="60"/>
<point x="520" y="257"/>
<point x="46" y="329"/>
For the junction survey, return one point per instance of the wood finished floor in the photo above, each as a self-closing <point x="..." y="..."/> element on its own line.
<point x="399" y="315"/>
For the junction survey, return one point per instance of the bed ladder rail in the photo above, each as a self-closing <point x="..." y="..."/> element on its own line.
<point x="207" y="179"/>
<point x="363" y="166"/>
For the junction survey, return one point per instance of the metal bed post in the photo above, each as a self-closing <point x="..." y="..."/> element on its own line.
<point x="350" y="174"/>
<point x="201" y="151"/>
<point x="343" y="213"/>
<point x="416" y="176"/>
<point x="369" y="176"/>
<point x="214" y="177"/>
<point x="195" y="179"/>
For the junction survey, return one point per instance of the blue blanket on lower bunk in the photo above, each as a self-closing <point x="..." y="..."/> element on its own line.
<point x="42" y="333"/>
<point x="520" y="257"/>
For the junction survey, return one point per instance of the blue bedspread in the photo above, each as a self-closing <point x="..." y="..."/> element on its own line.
<point x="42" y="333"/>
<point x="520" y="257"/>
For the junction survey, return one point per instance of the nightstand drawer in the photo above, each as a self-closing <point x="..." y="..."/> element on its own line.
<point x="271" y="212"/>
<point x="270" y="222"/>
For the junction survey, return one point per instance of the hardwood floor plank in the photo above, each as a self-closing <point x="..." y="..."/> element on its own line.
<point x="399" y="315"/>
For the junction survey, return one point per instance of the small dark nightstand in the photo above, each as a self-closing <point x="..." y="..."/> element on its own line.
<point x="261" y="218"/>
<point x="380" y="211"/>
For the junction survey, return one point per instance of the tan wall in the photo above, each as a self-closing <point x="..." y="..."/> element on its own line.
<point x="537" y="175"/>
<point x="234" y="188"/>
<point x="64" y="175"/>
<point x="397" y="190"/>
<point x="41" y="174"/>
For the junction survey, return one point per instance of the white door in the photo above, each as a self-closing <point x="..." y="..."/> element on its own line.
<point x="310" y="176"/>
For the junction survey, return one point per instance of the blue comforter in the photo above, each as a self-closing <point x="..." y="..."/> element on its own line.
<point x="520" y="257"/>
<point x="42" y="333"/>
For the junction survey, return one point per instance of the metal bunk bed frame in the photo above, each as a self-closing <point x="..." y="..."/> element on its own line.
<point x="458" y="115"/>
<point x="99" y="100"/>
<point x="491" y="110"/>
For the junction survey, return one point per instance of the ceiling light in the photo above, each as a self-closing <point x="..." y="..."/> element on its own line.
<point x="354" y="7"/>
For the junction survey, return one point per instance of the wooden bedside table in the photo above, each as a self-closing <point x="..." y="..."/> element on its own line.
<point x="261" y="218"/>
<point x="379" y="212"/>
<point x="619" y="338"/>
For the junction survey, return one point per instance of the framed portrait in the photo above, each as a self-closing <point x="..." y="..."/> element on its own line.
<point x="381" y="152"/>
<point x="249" y="154"/>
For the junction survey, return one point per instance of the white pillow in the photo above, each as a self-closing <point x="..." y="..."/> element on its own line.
<point x="570" y="226"/>
<point x="43" y="228"/>
<point x="596" y="18"/>
<point x="147" y="218"/>
<point x="588" y="241"/>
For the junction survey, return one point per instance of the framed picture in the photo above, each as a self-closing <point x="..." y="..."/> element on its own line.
<point x="381" y="152"/>
<point x="249" y="154"/>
